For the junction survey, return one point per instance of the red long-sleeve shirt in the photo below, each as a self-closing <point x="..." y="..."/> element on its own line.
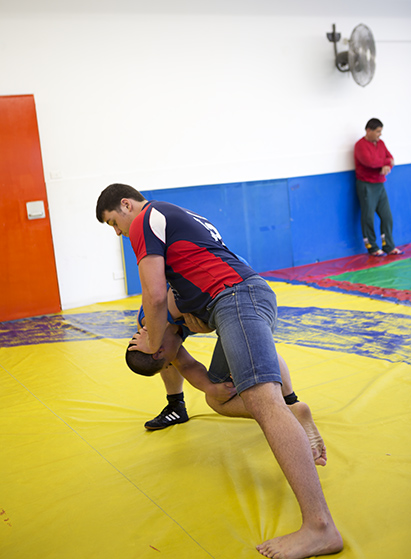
<point x="369" y="159"/>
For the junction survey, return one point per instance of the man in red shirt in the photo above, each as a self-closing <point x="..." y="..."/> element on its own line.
<point x="373" y="162"/>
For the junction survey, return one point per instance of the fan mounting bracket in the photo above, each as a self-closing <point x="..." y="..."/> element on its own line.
<point x="341" y="58"/>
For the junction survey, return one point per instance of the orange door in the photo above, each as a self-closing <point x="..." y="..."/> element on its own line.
<point x="28" y="278"/>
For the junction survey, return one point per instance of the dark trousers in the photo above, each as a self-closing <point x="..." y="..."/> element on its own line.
<point x="373" y="199"/>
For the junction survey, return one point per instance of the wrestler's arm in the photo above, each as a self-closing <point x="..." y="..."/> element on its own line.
<point x="196" y="374"/>
<point x="154" y="297"/>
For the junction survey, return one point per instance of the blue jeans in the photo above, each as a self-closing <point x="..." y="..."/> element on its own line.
<point x="245" y="317"/>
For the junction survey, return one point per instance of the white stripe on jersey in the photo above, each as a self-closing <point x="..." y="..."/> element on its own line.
<point x="158" y="224"/>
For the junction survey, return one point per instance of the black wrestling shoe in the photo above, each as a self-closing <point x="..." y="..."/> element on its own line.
<point x="169" y="416"/>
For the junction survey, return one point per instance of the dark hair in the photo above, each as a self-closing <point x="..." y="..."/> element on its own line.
<point x="143" y="363"/>
<point x="111" y="197"/>
<point x="373" y="124"/>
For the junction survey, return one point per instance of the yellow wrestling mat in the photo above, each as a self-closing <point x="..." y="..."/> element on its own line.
<point x="82" y="479"/>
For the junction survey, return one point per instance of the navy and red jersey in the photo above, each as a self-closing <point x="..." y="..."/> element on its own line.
<point x="198" y="265"/>
<point x="369" y="159"/>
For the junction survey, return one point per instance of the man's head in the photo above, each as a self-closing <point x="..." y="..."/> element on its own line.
<point x="148" y="364"/>
<point x="118" y="205"/>
<point x="144" y="363"/>
<point x="373" y="130"/>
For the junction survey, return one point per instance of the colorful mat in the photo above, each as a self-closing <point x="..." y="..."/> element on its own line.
<point x="387" y="277"/>
<point x="82" y="478"/>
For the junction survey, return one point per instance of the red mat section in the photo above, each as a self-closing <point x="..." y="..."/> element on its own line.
<point x="317" y="275"/>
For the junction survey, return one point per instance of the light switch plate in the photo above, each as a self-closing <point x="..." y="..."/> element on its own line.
<point x="35" y="210"/>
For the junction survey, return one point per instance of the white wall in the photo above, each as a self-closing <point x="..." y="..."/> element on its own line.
<point x="162" y="93"/>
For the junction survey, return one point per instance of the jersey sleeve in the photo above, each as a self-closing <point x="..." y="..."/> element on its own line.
<point x="148" y="233"/>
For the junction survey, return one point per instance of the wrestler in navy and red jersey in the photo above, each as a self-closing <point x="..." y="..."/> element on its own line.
<point x="198" y="265"/>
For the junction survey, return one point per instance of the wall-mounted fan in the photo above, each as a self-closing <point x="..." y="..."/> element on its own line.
<point x="360" y="57"/>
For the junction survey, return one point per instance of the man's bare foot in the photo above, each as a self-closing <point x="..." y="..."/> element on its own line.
<point x="304" y="543"/>
<point x="302" y="413"/>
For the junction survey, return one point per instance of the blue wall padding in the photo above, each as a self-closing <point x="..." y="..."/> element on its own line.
<point x="325" y="217"/>
<point x="277" y="224"/>
<point x="133" y="284"/>
<point x="398" y="187"/>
